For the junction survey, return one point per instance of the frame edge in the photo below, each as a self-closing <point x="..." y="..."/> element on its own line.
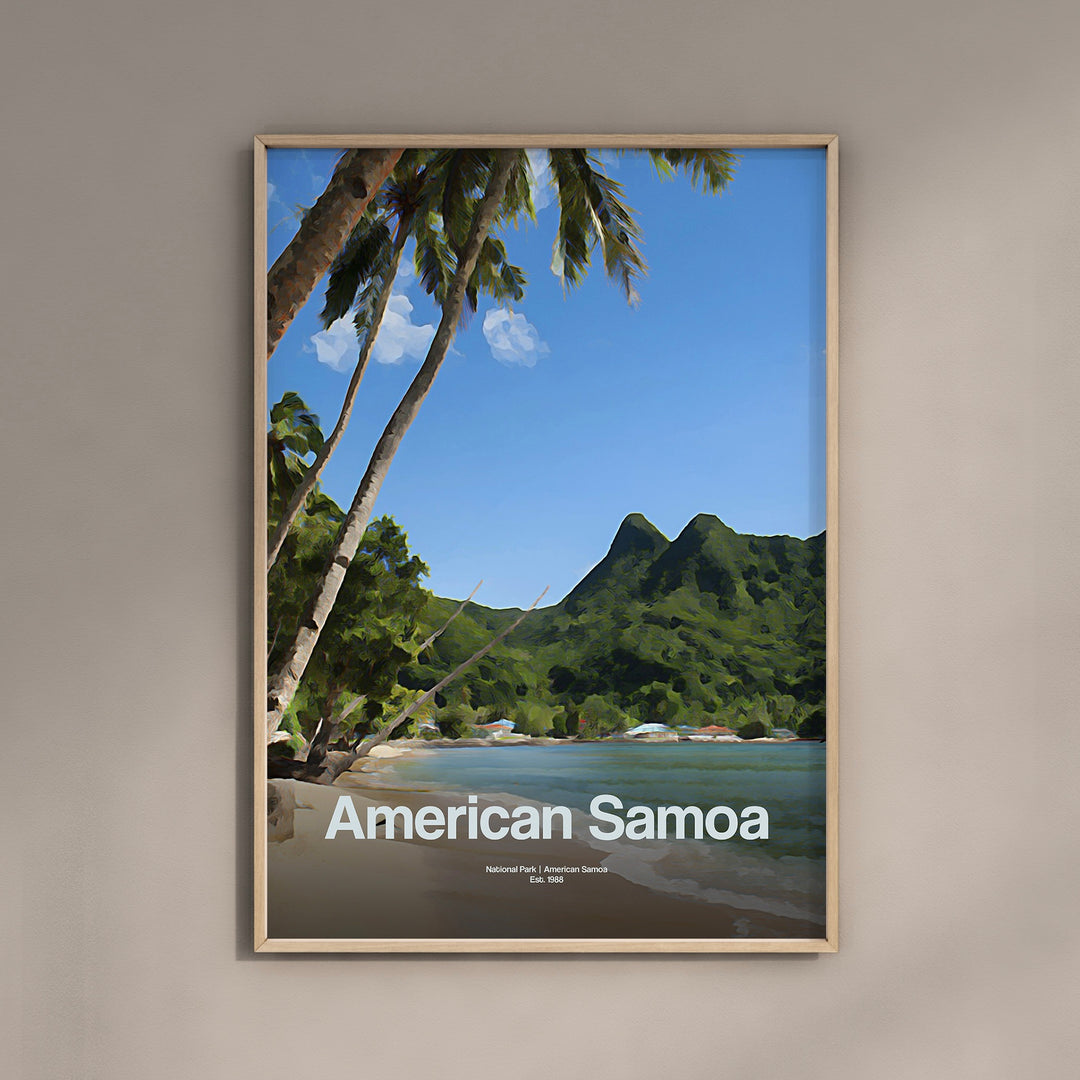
<point x="262" y="943"/>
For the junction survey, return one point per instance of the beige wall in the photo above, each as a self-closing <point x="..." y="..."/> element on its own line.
<point x="126" y="232"/>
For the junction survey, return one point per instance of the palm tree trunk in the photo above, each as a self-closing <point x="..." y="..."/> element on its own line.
<point x="285" y="681"/>
<point x="363" y="747"/>
<point x="311" y="477"/>
<point x="325" y="228"/>
<point x="324" y="766"/>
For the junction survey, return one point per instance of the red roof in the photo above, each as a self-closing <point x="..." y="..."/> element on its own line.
<point x="716" y="729"/>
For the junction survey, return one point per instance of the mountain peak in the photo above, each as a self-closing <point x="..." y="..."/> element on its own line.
<point x="703" y="529"/>
<point x="637" y="533"/>
<point x="708" y="523"/>
<point x="636" y="545"/>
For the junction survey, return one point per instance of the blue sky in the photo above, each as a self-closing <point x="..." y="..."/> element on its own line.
<point x="549" y="424"/>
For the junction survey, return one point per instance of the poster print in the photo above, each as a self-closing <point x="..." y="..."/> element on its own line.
<point x="545" y="558"/>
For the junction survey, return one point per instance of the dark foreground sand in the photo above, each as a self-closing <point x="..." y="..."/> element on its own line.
<point x="348" y="888"/>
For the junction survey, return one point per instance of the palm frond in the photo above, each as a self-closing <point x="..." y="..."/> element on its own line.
<point x="591" y="212"/>
<point x="517" y="202"/>
<point x="367" y="299"/>
<point x="572" y="249"/>
<point x="709" y="170"/>
<point x="365" y="255"/>
<point x="496" y="276"/>
<point x="462" y="179"/>
<point x="433" y="258"/>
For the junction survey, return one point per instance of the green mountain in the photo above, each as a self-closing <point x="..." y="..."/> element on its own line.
<point x="711" y="627"/>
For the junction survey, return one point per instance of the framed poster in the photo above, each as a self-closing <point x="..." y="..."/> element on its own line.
<point x="596" y="375"/>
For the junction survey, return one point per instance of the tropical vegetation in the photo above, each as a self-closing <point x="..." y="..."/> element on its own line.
<point x="455" y="201"/>
<point x="710" y="627"/>
<point x="323" y="229"/>
<point x="713" y="627"/>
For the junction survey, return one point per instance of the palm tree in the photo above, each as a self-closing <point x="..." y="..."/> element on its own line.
<point x="324" y="229"/>
<point x="362" y="275"/>
<point x="591" y="214"/>
<point x="372" y="253"/>
<point x="362" y="280"/>
<point x="485" y="213"/>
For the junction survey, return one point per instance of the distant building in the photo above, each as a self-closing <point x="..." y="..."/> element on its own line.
<point x="496" y="728"/>
<point x="783" y="733"/>
<point x="715" y="729"/>
<point x="650" y="731"/>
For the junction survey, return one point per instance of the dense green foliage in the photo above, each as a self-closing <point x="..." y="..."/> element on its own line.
<point x="713" y="627"/>
<point x="452" y="204"/>
<point x="813" y="726"/>
<point x="294" y="434"/>
<point x="753" y="729"/>
<point x="372" y="631"/>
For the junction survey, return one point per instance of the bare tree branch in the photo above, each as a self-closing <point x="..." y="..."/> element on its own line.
<point x="457" y="612"/>
<point x="364" y="747"/>
<point x="325" y="766"/>
<point x="356" y="703"/>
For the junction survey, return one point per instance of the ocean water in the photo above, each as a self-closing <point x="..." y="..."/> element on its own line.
<point x="783" y="875"/>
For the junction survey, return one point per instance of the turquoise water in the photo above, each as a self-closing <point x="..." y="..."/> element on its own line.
<point x="783" y="875"/>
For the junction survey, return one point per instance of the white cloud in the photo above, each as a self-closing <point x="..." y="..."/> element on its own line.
<point x="336" y="346"/>
<point x="399" y="336"/>
<point x="540" y="184"/>
<point x="512" y="338"/>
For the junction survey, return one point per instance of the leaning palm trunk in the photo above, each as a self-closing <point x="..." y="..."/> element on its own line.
<point x="363" y="747"/>
<point x="284" y="683"/>
<point x="325" y="228"/>
<point x="323" y="766"/>
<point x="311" y="477"/>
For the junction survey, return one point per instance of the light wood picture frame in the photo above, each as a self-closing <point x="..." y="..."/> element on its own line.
<point x="318" y="863"/>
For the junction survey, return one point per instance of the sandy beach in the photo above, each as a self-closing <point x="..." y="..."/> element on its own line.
<point x="375" y="888"/>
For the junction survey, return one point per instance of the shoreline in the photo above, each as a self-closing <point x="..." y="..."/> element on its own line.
<point x="379" y="888"/>
<point x="404" y="746"/>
